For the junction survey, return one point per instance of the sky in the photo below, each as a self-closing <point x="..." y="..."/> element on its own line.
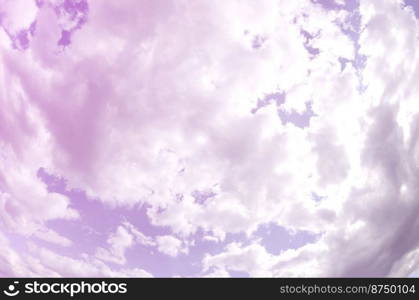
<point x="240" y="138"/>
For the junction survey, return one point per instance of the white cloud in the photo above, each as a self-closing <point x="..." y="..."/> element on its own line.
<point x="41" y="262"/>
<point x="365" y="162"/>
<point x="118" y="243"/>
<point x="52" y="237"/>
<point x="85" y="267"/>
<point x="170" y="245"/>
<point x="252" y="259"/>
<point x="139" y="237"/>
<point x="217" y="273"/>
<point x="159" y="107"/>
<point x="17" y="14"/>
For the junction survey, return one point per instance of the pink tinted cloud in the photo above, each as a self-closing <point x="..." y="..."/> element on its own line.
<point x="207" y="138"/>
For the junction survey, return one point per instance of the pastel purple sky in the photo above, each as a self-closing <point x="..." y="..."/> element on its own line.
<point x="209" y="138"/>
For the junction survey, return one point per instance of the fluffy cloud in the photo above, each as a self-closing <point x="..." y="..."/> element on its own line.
<point x="170" y="245"/>
<point x="118" y="243"/>
<point x="86" y="266"/>
<point x="195" y="116"/>
<point x="252" y="259"/>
